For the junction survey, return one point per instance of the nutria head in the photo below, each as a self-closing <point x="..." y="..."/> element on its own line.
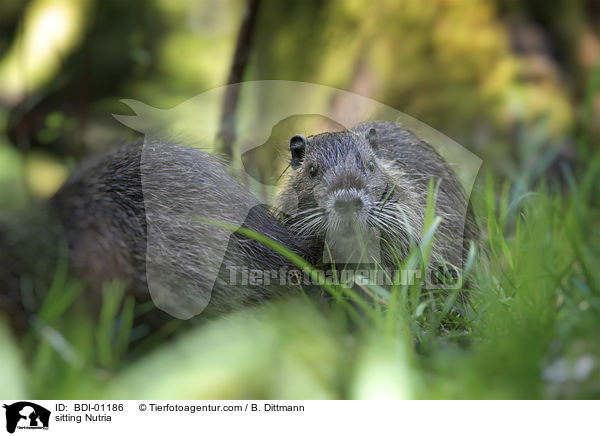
<point x="341" y="188"/>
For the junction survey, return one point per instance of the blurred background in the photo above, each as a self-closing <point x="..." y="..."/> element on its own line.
<point x="478" y="71"/>
<point x="516" y="82"/>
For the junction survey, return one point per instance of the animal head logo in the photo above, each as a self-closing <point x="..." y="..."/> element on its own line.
<point x="262" y="119"/>
<point x="26" y="415"/>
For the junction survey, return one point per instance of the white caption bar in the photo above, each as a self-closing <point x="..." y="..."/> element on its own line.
<point x="21" y="417"/>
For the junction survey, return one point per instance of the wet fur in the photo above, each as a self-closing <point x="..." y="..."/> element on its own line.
<point x="395" y="192"/>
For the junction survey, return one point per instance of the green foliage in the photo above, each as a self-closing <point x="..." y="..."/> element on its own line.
<point x="12" y="370"/>
<point x="71" y="353"/>
<point x="532" y="324"/>
<point x="529" y="331"/>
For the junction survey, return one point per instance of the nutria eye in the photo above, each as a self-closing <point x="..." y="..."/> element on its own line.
<point x="312" y="171"/>
<point x="371" y="166"/>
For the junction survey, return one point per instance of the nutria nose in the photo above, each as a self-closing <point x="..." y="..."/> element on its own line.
<point x="348" y="206"/>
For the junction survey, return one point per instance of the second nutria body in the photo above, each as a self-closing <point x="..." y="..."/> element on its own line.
<point x="161" y="217"/>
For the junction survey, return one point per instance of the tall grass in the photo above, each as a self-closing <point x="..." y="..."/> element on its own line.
<point x="530" y="330"/>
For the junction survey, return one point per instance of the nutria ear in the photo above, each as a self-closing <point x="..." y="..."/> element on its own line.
<point x="297" y="147"/>
<point x="371" y="136"/>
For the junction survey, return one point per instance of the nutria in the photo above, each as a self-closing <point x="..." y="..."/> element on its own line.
<point x="138" y="212"/>
<point x="141" y="215"/>
<point x="374" y="176"/>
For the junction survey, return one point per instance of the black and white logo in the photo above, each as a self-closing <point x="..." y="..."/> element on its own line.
<point x="26" y="415"/>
